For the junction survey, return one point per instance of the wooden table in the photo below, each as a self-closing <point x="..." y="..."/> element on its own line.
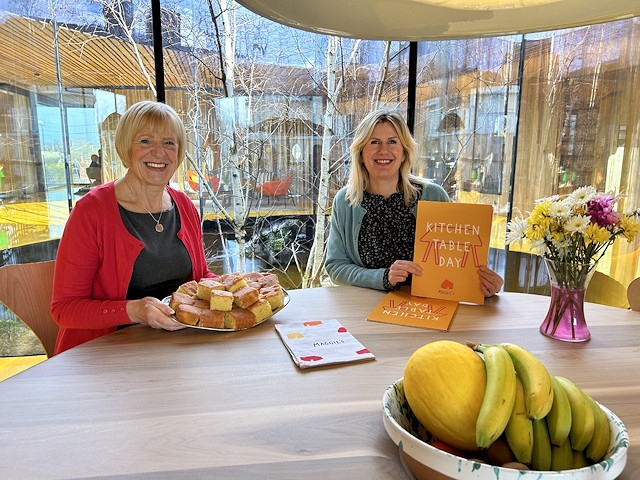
<point x="143" y="403"/>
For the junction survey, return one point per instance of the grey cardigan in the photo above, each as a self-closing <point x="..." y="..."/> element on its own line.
<point x="343" y="263"/>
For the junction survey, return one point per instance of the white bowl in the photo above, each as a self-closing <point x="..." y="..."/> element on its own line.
<point x="428" y="462"/>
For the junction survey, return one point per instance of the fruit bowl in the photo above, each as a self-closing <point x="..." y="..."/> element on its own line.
<point x="427" y="462"/>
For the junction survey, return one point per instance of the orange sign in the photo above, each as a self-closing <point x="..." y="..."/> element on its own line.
<point x="452" y="241"/>
<point x="401" y="308"/>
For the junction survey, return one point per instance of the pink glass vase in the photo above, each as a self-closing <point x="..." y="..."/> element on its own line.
<point x="565" y="319"/>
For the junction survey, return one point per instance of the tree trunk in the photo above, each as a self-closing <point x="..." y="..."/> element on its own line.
<point x="315" y="264"/>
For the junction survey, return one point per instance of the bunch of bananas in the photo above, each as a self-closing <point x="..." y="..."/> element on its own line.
<point x="549" y="422"/>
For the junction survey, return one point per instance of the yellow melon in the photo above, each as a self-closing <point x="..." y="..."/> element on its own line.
<point x="444" y="382"/>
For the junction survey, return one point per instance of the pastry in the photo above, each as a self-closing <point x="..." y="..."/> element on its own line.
<point x="239" y="319"/>
<point x="178" y="298"/>
<point x="245" y="296"/>
<point x="206" y="286"/>
<point x="188" y="314"/>
<point x="189" y="288"/>
<point x="274" y="295"/>
<point x="270" y="279"/>
<point x="221" y="300"/>
<point x="201" y="303"/>
<point x="261" y="309"/>
<point x="211" y="319"/>
<point x="233" y="281"/>
<point x="254" y="279"/>
<point x="230" y="302"/>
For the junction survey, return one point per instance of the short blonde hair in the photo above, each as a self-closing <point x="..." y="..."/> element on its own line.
<point x="148" y="115"/>
<point x="358" y="180"/>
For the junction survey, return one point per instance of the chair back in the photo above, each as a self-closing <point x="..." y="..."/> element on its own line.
<point x="94" y="173"/>
<point x="26" y="290"/>
<point x="633" y="294"/>
<point x="283" y="186"/>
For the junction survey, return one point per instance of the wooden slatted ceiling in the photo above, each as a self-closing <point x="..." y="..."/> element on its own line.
<point x="90" y="61"/>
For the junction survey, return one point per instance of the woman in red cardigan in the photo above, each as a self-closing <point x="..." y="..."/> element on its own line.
<point x="131" y="242"/>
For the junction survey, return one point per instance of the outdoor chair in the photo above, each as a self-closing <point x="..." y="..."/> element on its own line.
<point x="275" y="189"/>
<point x="26" y="290"/>
<point x="194" y="183"/>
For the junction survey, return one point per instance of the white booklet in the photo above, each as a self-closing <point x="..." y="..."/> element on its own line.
<point x="321" y="342"/>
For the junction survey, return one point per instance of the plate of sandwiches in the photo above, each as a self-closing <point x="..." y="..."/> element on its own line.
<point x="229" y="303"/>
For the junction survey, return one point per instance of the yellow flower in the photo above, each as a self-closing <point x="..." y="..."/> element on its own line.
<point x="535" y="232"/>
<point x="630" y="227"/>
<point x="595" y="234"/>
<point x="577" y="228"/>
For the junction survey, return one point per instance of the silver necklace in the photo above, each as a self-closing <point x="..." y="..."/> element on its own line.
<point x="159" y="227"/>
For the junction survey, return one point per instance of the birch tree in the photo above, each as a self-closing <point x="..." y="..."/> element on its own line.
<point x="334" y="85"/>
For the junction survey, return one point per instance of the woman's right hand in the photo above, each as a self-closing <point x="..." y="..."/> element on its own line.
<point x="400" y="271"/>
<point x="152" y="312"/>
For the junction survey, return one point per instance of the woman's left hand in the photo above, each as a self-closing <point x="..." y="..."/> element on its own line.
<point x="490" y="281"/>
<point x="401" y="269"/>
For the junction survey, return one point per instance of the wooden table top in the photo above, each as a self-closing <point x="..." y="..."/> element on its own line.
<point x="151" y="404"/>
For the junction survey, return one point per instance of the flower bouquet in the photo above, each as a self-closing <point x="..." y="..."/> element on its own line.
<point x="572" y="233"/>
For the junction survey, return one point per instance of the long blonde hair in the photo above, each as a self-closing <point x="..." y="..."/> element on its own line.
<point x="147" y="114"/>
<point x="358" y="180"/>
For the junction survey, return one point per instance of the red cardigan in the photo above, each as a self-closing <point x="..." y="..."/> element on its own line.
<point x="95" y="262"/>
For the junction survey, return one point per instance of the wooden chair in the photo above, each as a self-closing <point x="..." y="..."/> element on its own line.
<point x="277" y="189"/>
<point x="26" y="290"/>
<point x="95" y="175"/>
<point x="633" y="294"/>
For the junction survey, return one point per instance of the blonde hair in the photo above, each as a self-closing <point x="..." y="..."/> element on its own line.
<point x="148" y="115"/>
<point x="358" y="180"/>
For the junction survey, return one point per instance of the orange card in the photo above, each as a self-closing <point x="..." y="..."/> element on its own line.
<point x="452" y="241"/>
<point x="402" y="308"/>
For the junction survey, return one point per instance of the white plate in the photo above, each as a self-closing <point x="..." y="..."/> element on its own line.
<point x="166" y="300"/>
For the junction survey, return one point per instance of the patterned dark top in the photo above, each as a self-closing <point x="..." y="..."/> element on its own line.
<point x="387" y="233"/>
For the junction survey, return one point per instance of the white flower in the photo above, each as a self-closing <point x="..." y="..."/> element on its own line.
<point x="577" y="224"/>
<point x="515" y="231"/>
<point x="552" y="198"/>
<point x="582" y="195"/>
<point x="559" y="210"/>
<point x="540" y="246"/>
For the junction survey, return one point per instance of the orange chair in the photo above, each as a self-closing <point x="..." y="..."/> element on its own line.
<point x="277" y="189"/>
<point x="194" y="184"/>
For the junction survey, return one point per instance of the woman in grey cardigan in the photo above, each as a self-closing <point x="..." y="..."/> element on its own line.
<point x="373" y="217"/>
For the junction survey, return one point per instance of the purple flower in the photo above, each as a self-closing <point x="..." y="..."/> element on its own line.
<point x="600" y="208"/>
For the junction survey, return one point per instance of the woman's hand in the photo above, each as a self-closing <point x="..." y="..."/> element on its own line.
<point x="490" y="281"/>
<point x="152" y="312"/>
<point x="400" y="271"/>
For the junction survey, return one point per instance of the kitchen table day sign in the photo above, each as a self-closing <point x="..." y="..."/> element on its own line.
<point x="452" y="241"/>
<point x="401" y="308"/>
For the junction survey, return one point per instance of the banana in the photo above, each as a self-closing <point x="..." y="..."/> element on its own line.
<point x="519" y="429"/>
<point x="499" y="395"/>
<point x="536" y="381"/>
<point x="541" y="453"/>
<point x="599" y="444"/>
<point x="579" y="460"/>
<point x="562" y="456"/>
<point x="582" y="418"/>
<point x="559" y="417"/>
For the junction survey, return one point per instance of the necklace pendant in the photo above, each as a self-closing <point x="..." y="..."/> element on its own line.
<point x="159" y="227"/>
